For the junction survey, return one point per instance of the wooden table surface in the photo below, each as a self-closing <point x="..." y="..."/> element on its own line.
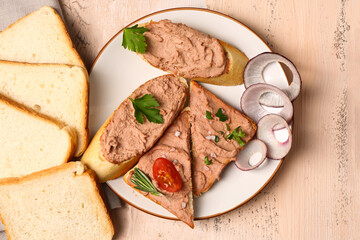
<point x="316" y="193"/>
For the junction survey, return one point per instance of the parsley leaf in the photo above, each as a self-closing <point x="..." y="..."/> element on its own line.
<point x="146" y="106"/>
<point x="207" y="161"/>
<point x="216" y="139"/>
<point x="237" y="134"/>
<point x="222" y="117"/>
<point x="134" y="40"/>
<point x="221" y="132"/>
<point x="208" y="115"/>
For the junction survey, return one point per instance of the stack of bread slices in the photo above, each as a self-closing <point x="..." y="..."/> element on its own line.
<point x="43" y="124"/>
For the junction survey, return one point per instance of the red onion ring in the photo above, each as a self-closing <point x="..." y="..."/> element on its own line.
<point x="253" y="74"/>
<point x="243" y="159"/>
<point x="251" y="106"/>
<point x="265" y="132"/>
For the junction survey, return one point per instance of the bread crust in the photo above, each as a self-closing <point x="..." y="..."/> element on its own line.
<point x="66" y="33"/>
<point x="101" y="197"/>
<point x="78" y="151"/>
<point x="233" y="75"/>
<point x="94" y="159"/>
<point x="86" y="139"/>
<point x="49" y="172"/>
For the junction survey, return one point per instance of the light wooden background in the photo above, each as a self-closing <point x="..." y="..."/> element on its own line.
<point x="316" y="193"/>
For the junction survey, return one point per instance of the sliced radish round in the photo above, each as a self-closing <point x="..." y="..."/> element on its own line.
<point x="251" y="156"/>
<point x="278" y="146"/>
<point x="251" y="106"/>
<point x="253" y="74"/>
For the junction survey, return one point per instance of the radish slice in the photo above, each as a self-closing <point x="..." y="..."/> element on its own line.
<point x="251" y="156"/>
<point x="251" y="106"/>
<point x="277" y="147"/>
<point x="253" y="74"/>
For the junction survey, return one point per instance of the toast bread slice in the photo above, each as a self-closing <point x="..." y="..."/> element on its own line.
<point x="176" y="149"/>
<point x="31" y="142"/>
<point x="57" y="90"/>
<point x="39" y="37"/>
<point x="63" y="202"/>
<point x="204" y="133"/>
<point x="94" y="157"/>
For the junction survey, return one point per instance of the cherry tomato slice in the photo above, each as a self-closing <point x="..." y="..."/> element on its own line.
<point x="166" y="175"/>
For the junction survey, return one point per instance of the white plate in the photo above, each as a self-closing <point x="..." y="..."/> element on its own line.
<point x="117" y="72"/>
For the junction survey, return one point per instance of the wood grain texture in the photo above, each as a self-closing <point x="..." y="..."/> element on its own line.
<point x="316" y="193"/>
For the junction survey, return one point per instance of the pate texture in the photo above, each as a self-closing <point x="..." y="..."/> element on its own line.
<point x="203" y="131"/>
<point x="183" y="51"/>
<point x="125" y="138"/>
<point x="175" y="148"/>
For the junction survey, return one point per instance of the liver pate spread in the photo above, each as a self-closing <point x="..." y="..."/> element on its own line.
<point x="125" y="138"/>
<point x="176" y="148"/>
<point x="183" y="51"/>
<point x="203" y="132"/>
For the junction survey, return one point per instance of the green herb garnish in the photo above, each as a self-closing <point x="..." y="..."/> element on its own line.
<point x="222" y="117"/>
<point x="143" y="183"/>
<point x="227" y="127"/>
<point x="146" y="106"/>
<point x="216" y="138"/>
<point x="208" y="115"/>
<point x="134" y="40"/>
<point x="237" y="134"/>
<point x="207" y="161"/>
<point x="221" y="132"/>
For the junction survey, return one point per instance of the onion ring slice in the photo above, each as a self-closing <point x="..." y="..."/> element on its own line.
<point x="252" y="155"/>
<point x="265" y="132"/>
<point x="251" y="106"/>
<point x="253" y="74"/>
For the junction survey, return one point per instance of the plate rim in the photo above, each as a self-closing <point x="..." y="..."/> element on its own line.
<point x="180" y="9"/>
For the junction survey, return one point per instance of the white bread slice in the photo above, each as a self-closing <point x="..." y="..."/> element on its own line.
<point x="220" y="152"/>
<point x="30" y="142"/>
<point x="63" y="202"/>
<point x="39" y="37"/>
<point x="93" y="157"/>
<point x="56" y="90"/>
<point x="179" y="146"/>
<point x="236" y="62"/>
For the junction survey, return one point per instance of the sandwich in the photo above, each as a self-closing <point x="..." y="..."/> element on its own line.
<point x="187" y="52"/>
<point x="167" y="168"/>
<point x="218" y="133"/>
<point x="135" y="126"/>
